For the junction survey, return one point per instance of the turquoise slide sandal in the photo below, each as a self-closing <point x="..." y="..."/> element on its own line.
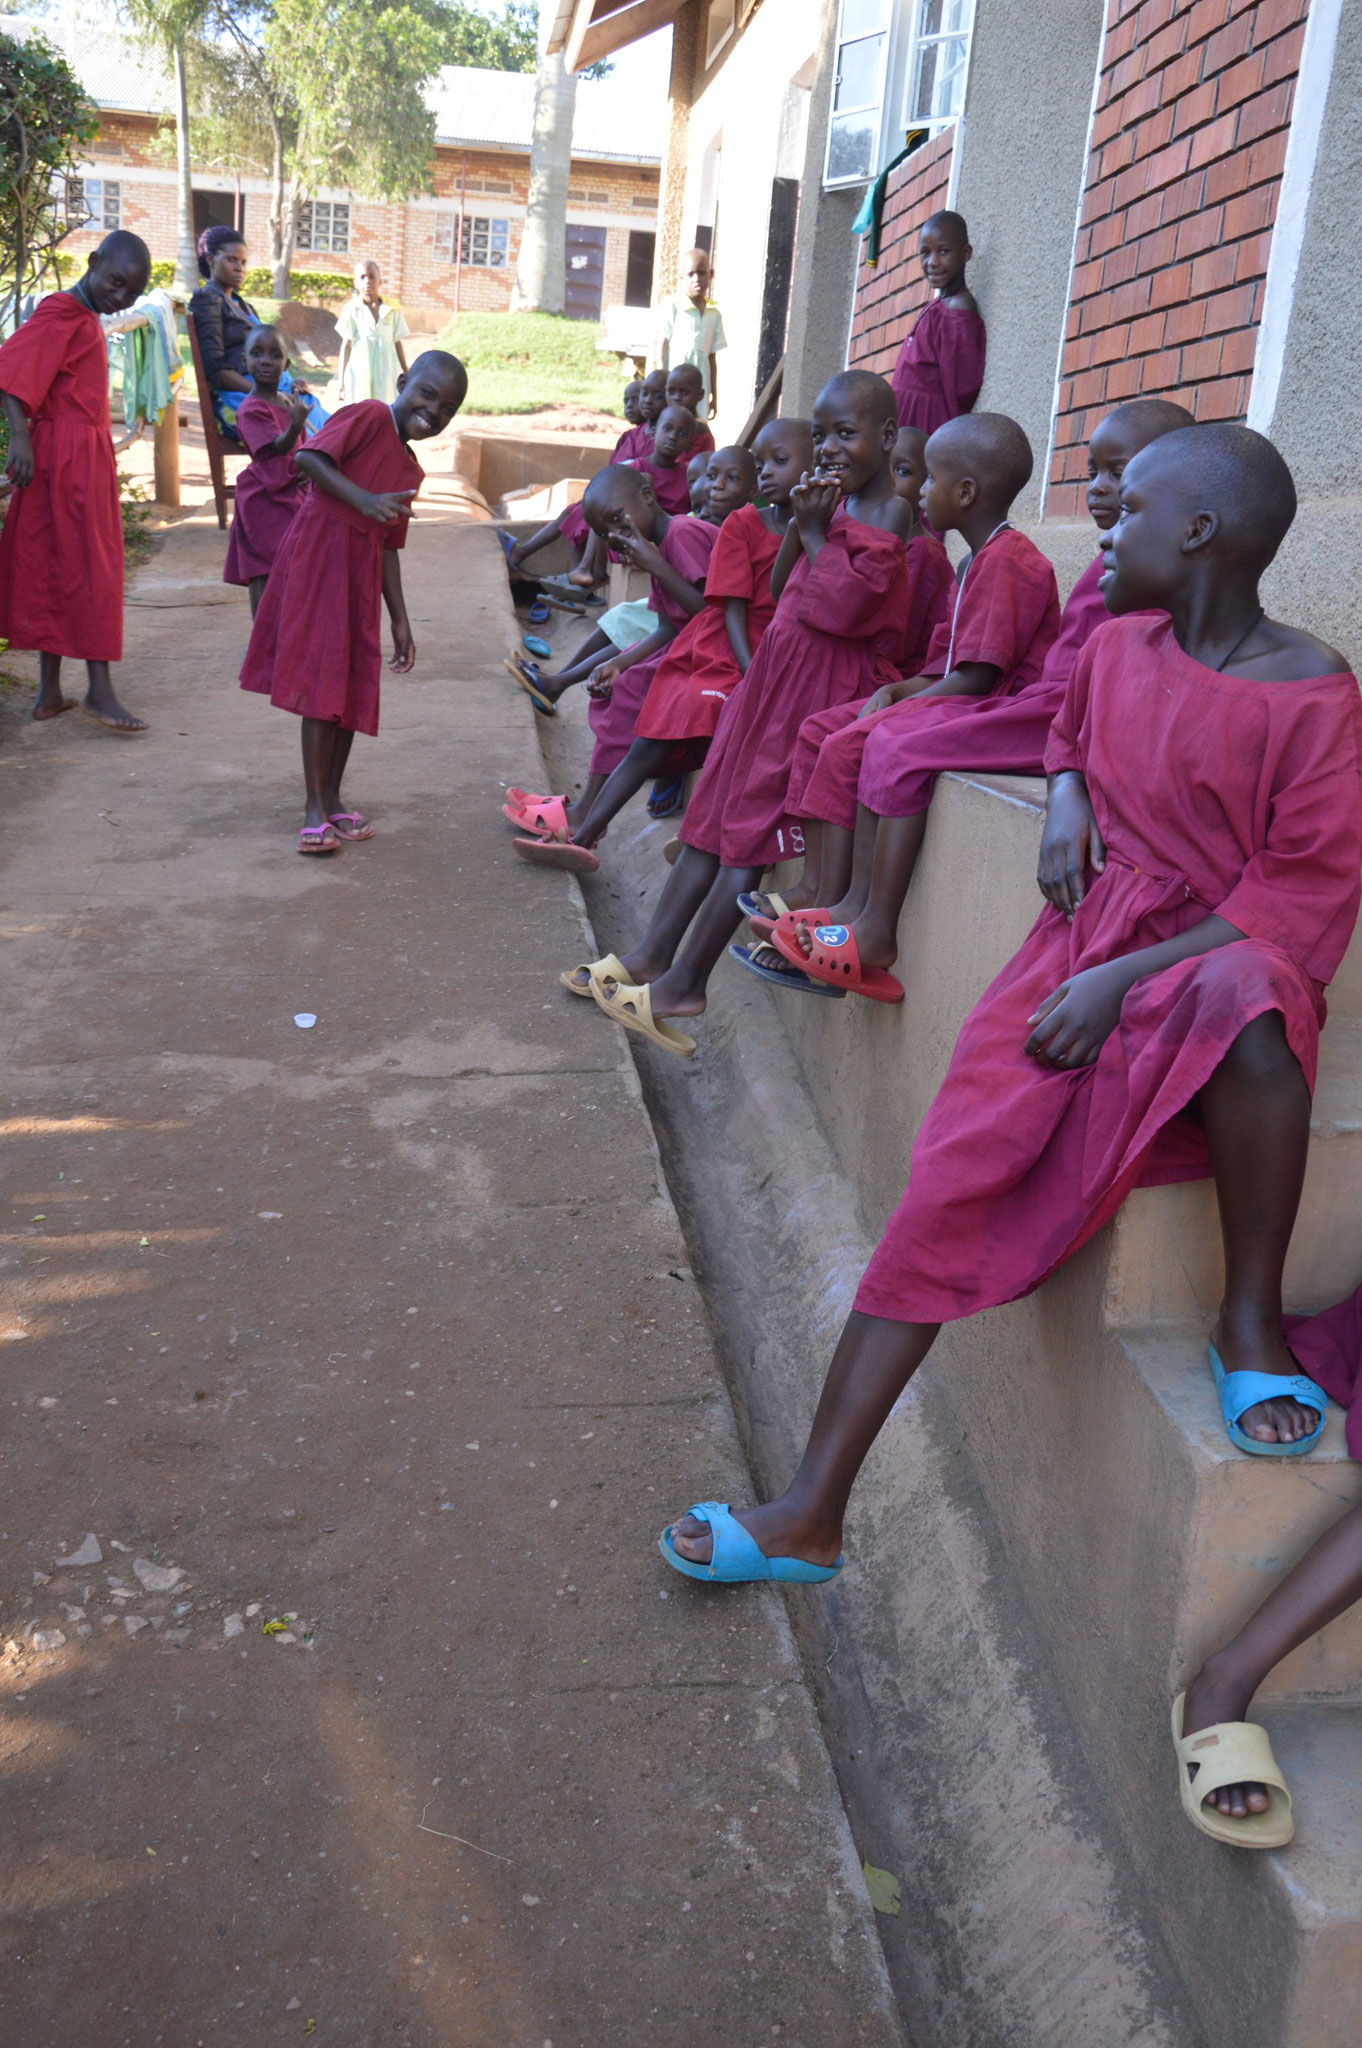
<point x="735" y="1560"/>
<point x="1240" y="1391"/>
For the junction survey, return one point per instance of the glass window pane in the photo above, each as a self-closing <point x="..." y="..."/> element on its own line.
<point x="924" y="91"/>
<point x="929" y="21"/>
<point x="852" y="144"/>
<point x="858" y="73"/>
<point x="863" y="17"/>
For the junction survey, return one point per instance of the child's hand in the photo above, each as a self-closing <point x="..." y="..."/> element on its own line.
<point x="600" y="684"/>
<point x="889" y="693"/>
<point x="1070" y="844"/>
<point x="404" y="648"/>
<point x="814" y="500"/>
<point x="630" y="545"/>
<point x="1071" y="1026"/>
<point x="386" y="506"/>
<point x="297" y="410"/>
<point x="19" y="468"/>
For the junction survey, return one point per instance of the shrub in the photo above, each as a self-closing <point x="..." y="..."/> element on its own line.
<point x="259" y="282"/>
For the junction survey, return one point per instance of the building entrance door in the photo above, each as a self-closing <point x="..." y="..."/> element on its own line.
<point x="584" y="258"/>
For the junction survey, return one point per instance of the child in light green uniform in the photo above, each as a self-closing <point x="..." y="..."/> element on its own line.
<point x="691" y="329"/>
<point x="372" y="331"/>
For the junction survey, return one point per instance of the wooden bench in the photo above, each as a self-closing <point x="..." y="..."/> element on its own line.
<point x="218" y="444"/>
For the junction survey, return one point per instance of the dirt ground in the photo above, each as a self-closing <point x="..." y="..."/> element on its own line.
<point x="352" y="1370"/>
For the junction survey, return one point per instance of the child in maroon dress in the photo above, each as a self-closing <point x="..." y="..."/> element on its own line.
<point x="941" y="365"/>
<point x="61" y="549"/>
<point x="686" y="388"/>
<point x="842" y="589"/>
<point x="270" y="488"/>
<point x="634" y="445"/>
<point x="1161" y="1021"/>
<point x="666" y="466"/>
<point x="315" y="646"/>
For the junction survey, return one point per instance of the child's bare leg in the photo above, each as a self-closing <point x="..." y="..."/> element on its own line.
<point x="316" y="766"/>
<point x="50" y="702"/>
<point x="256" y="586"/>
<point x="680" y="991"/>
<point x="612" y="793"/>
<point x="1327" y="1580"/>
<point x="873" y="1363"/>
<point x="521" y="550"/>
<point x="575" y="812"/>
<point x="333" y="767"/>
<point x="897" y="843"/>
<point x="597" y="647"/>
<point x="100" y="699"/>
<point x="803" y="894"/>
<point x="684" y="890"/>
<point x="588" y="570"/>
<point x="1256" y="1112"/>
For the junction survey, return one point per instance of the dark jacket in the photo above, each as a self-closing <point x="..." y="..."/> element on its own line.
<point x="222" y="325"/>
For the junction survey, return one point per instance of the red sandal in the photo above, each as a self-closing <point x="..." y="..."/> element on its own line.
<point x="836" y="960"/>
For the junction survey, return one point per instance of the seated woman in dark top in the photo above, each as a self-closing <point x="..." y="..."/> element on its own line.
<point x="222" y="321"/>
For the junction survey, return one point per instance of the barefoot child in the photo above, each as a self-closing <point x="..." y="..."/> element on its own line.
<point x="842" y="585"/>
<point x="1200" y="864"/>
<point x="269" y="489"/>
<point x="372" y="330"/>
<point x="623" y="509"/>
<point x="315" y="646"/>
<point x="941" y="365"/>
<point x="693" y="677"/>
<point x="61" y="548"/>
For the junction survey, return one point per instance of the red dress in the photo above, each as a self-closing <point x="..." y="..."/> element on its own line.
<point x="940" y="367"/>
<point x="687" y="545"/>
<point x="61" y="548"/>
<point x="990" y="735"/>
<point x="699" y="672"/>
<point x="671" y="487"/>
<point x="269" y="490"/>
<point x="838" y="624"/>
<point x="1215" y="795"/>
<point x="315" y="646"/>
<point x="1005" y="612"/>
<point x="1329" y="1348"/>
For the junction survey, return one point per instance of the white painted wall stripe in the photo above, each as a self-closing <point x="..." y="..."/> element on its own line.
<point x="1293" y="204"/>
<point x="1073" y="262"/>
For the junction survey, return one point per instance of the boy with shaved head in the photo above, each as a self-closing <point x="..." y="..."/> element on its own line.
<point x="1161" y="1021"/>
<point x="871" y="784"/>
<point x="61" y="550"/>
<point x="941" y="365"/>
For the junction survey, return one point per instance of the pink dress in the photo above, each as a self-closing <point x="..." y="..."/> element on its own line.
<point x="1005" y="612"/>
<point x="940" y="368"/>
<point x="1215" y="795"/>
<point x="698" y="673"/>
<point x="990" y="735"/>
<point x="315" y="647"/>
<point x="269" y="491"/>
<point x="687" y="545"/>
<point x="1329" y="1348"/>
<point x="839" y="622"/>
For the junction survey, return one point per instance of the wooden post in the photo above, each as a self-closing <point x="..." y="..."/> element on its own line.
<point x="167" y="454"/>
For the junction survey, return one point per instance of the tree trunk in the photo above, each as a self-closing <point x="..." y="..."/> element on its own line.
<point x="279" y="261"/>
<point x="540" y="278"/>
<point x="290" y="207"/>
<point x="186" y="255"/>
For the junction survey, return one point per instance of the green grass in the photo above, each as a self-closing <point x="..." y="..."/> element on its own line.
<point x="518" y="362"/>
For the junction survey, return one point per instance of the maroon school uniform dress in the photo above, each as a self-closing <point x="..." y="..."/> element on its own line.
<point x="1215" y="795"/>
<point x="269" y="491"/>
<point x="989" y="735"/>
<point x="635" y="444"/>
<point x="1329" y="1348"/>
<point x="671" y="487"/>
<point x="315" y="647"/>
<point x="699" y="672"/>
<point x="687" y="545"/>
<point x="1005" y="612"/>
<point x="940" y="368"/>
<point x="838" y="625"/>
<point x="61" y="548"/>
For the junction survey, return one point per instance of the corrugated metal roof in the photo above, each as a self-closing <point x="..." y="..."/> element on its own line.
<point x="493" y="108"/>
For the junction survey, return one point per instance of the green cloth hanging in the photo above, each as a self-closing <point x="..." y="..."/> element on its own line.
<point x="869" y="220"/>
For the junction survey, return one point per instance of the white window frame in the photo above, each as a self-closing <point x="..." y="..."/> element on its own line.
<point x="898" y="71"/>
<point x="467" y="232"/>
<point x="307" y="227"/>
<point x="96" y="214"/>
<point x="919" y="43"/>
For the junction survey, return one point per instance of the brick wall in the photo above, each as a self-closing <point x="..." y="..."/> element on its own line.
<point x="1188" y="144"/>
<point x="890" y="297"/>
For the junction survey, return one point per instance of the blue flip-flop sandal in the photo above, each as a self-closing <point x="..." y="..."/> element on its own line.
<point x="537" y="645"/>
<point x="792" y="978"/>
<point x="1240" y="1391"/>
<point x="735" y="1560"/>
<point x="537" y="612"/>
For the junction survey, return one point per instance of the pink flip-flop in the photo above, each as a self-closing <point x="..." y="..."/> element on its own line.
<point x="318" y="839"/>
<point x="558" y="853"/>
<point x="835" y="959"/>
<point x="350" y="825"/>
<point x="544" y="817"/>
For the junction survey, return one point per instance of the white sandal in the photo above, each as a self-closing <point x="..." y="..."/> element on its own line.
<point x="1231" y="1753"/>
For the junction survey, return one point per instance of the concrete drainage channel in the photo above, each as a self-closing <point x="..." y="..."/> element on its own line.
<point x="946" y="1728"/>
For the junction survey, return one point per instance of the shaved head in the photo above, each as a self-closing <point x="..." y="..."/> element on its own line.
<point x="863" y="392"/>
<point x="743" y="459"/>
<point x="125" y="248"/>
<point x="612" y="488"/>
<point x="1144" y="419"/>
<point x="988" y="446"/>
<point x="946" y="223"/>
<point x="910" y="441"/>
<point x="1232" y="473"/>
<point x="437" y="362"/>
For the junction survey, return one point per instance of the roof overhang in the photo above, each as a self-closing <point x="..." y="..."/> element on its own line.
<point x="587" y="30"/>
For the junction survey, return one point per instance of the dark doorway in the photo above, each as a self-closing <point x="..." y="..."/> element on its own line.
<point x="584" y="259"/>
<point x="638" y="275"/>
<point x="704" y="239"/>
<point x="217" y="210"/>
<point x="775" y="298"/>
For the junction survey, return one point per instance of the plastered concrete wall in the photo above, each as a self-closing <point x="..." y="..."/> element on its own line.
<point x="1021" y="161"/>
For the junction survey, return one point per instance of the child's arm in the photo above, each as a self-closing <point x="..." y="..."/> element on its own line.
<point x="602" y="680"/>
<point x="19" y="468"/>
<point x="814" y="499"/>
<point x="713" y="385"/>
<point x="645" y="554"/>
<point x="735" y="621"/>
<point x="383" y="507"/>
<point x="401" y="356"/>
<point x="283" y="442"/>
<point x="404" y="648"/>
<point x="785" y="560"/>
<point x="340" y="366"/>
<point x="966" y="679"/>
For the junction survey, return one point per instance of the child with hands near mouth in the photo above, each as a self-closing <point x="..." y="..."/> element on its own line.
<point x="314" y="647"/>
<point x="1161" y="1020"/>
<point x="269" y="489"/>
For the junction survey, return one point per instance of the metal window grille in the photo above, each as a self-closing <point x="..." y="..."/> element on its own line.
<point x="324" y="227"/>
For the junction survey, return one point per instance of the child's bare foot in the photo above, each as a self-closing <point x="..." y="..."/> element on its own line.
<point x="102" y="705"/>
<point x="777" y="1529"/>
<point x="1219" y="1694"/>
<point x="672" y="994"/>
<point x="876" y="946"/>
<point x="583" y="579"/>
<point x="1248" y="1341"/>
<point x="51" y="707"/>
<point x="796" y="897"/>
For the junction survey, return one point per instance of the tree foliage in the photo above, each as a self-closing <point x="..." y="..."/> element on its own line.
<point x="505" y="42"/>
<point x="44" y="115"/>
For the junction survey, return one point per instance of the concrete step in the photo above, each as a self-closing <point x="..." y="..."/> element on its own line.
<point x="1316" y="1883"/>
